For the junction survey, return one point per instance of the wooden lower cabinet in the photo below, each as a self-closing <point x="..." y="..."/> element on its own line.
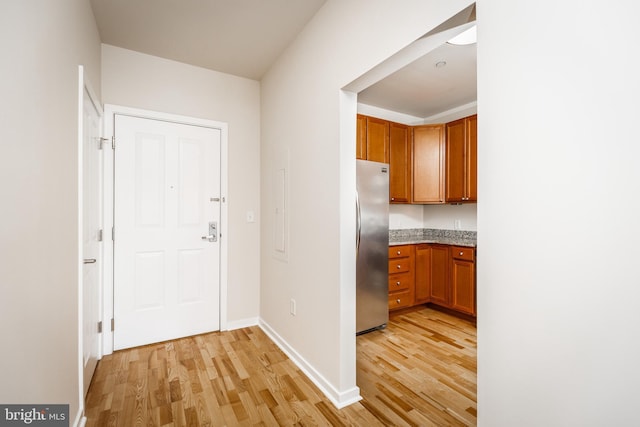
<point x="440" y="275"/>
<point x="401" y="276"/>
<point x="443" y="275"/>
<point x="463" y="280"/>
<point x="423" y="274"/>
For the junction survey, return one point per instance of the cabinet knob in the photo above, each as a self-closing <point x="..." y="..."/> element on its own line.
<point x="397" y="283"/>
<point x="398" y="301"/>
<point x="393" y="198"/>
<point x="398" y="267"/>
<point x="461" y="253"/>
<point x="398" y="253"/>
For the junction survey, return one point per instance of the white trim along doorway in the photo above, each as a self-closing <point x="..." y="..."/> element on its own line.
<point x="110" y="112"/>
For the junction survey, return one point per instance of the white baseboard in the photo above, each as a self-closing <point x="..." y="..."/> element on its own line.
<point x="80" y="420"/>
<point x="242" y="323"/>
<point x="340" y="399"/>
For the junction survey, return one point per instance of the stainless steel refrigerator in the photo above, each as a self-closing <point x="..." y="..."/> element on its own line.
<point x="372" y="245"/>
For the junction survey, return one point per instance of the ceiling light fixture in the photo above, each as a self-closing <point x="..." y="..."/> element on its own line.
<point x="464" y="38"/>
<point x="441" y="64"/>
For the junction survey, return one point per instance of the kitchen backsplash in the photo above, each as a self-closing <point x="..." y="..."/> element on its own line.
<point x="433" y="216"/>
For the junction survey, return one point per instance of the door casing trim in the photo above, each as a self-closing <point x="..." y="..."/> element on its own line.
<point x="83" y="85"/>
<point x="110" y="110"/>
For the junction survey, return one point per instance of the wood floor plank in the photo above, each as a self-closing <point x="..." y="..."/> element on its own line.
<point x="419" y="371"/>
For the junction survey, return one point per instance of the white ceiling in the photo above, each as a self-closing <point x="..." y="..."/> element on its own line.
<point x="239" y="37"/>
<point x="422" y="90"/>
<point x="244" y="37"/>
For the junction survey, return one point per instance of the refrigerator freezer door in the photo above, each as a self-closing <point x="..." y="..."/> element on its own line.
<point x="372" y="210"/>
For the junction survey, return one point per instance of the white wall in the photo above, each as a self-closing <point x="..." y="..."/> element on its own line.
<point x="405" y="217"/>
<point x="443" y="216"/>
<point x="433" y="216"/>
<point x="304" y="114"/>
<point x="143" y="81"/>
<point x="558" y="284"/>
<point x="42" y="43"/>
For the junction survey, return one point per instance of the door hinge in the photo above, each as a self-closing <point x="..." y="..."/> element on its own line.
<point x="101" y="142"/>
<point x="112" y="325"/>
<point x="113" y="234"/>
<point x="100" y="235"/>
<point x="113" y="142"/>
<point x="100" y="327"/>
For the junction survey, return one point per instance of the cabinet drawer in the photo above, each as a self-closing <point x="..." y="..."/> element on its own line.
<point x="400" y="265"/>
<point x="462" y="252"/>
<point x="400" y="282"/>
<point x="399" y="252"/>
<point x="400" y="300"/>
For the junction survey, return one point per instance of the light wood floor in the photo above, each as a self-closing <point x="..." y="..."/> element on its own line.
<point x="420" y="371"/>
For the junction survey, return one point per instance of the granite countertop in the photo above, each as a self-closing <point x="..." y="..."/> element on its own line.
<point x="414" y="236"/>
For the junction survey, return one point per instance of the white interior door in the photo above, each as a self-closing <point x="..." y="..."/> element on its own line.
<point x="91" y="246"/>
<point x="166" y="259"/>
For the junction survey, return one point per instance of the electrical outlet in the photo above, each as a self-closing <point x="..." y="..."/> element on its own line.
<point x="251" y="216"/>
<point x="457" y="224"/>
<point x="292" y="307"/>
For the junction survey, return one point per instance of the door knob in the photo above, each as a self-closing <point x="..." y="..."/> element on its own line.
<point x="213" y="232"/>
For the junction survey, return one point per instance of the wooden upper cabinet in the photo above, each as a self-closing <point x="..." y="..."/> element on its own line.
<point x="377" y="140"/>
<point x="472" y="158"/>
<point x="455" y="161"/>
<point x="428" y="164"/>
<point x="361" y="137"/>
<point x="461" y="160"/>
<point x="399" y="163"/>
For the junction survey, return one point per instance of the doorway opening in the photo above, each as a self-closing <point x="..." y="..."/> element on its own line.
<point x="431" y="81"/>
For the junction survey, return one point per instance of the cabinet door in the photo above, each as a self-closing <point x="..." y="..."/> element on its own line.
<point x="428" y="164"/>
<point x="463" y="292"/>
<point x="361" y="137"/>
<point x="472" y="158"/>
<point x="377" y="140"/>
<point x="456" y="162"/>
<point x="439" y="290"/>
<point x="423" y="274"/>
<point x="399" y="163"/>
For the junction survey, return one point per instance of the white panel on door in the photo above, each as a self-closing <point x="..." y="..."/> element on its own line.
<point x="190" y="275"/>
<point x="191" y="191"/>
<point x="150" y="179"/>
<point x="149" y="280"/>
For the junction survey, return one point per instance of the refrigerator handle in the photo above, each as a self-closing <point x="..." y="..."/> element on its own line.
<point x="358" y="226"/>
